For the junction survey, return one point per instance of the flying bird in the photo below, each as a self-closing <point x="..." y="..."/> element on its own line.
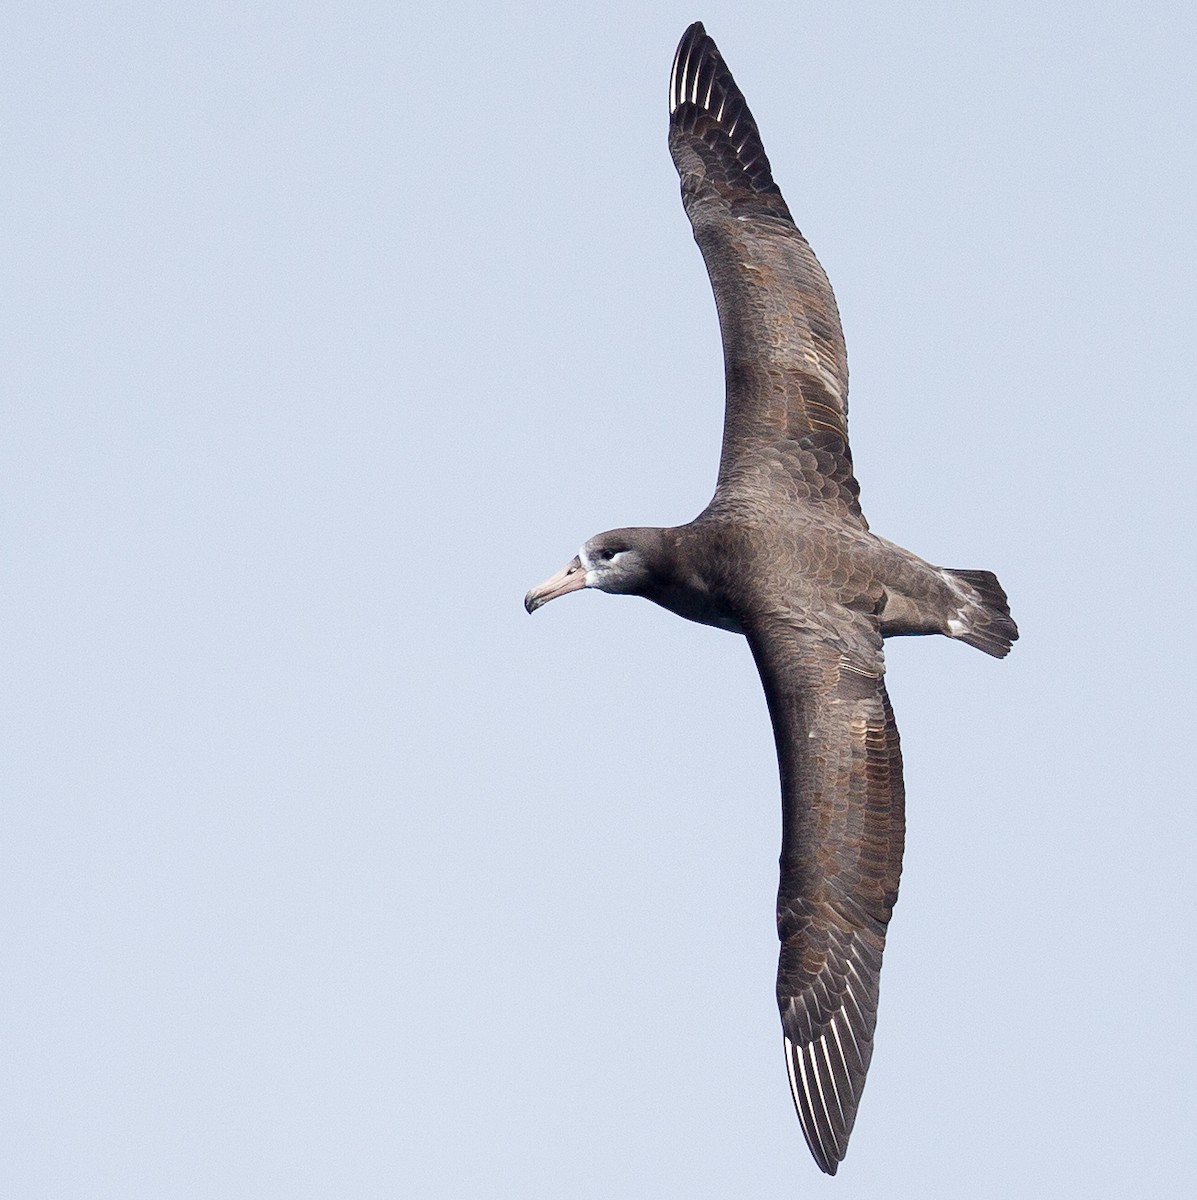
<point x="783" y="555"/>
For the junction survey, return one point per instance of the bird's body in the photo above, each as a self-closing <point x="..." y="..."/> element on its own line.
<point x="784" y="556"/>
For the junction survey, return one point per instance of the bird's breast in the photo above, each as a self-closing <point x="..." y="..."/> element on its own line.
<point x="696" y="603"/>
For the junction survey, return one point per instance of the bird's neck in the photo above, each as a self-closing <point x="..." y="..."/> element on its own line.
<point x="684" y="585"/>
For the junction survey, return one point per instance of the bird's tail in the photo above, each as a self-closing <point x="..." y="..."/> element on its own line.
<point x="984" y="620"/>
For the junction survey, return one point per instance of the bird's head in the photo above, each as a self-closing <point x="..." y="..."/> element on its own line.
<point x="620" y="560"/>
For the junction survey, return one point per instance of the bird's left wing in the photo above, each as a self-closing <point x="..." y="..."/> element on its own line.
<point x="842" y="837"/>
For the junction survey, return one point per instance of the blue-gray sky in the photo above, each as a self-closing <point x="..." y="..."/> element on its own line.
<point x="328" y="330"/>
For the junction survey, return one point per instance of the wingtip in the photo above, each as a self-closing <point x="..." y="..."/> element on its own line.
<point x="824" y="1137"/>
<point x="694" y="48"/>
<point x="707" y="109"/>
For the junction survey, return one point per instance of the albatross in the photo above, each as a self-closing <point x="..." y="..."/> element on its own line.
<point x="783" y="555"/>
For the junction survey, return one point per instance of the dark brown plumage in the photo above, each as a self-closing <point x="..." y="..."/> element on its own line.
<point x="783" y="555"/>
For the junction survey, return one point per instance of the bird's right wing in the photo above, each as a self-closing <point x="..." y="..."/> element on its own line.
<point x="786" y="420"/>
<point x="843" y="829"/>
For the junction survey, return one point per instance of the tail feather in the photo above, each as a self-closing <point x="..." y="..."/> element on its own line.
<point x="986" y="623"/>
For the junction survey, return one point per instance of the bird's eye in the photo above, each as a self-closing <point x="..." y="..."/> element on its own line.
<point x="607" y="554"/>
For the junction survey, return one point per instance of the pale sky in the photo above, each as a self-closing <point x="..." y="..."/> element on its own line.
<point x="328" y="331"/>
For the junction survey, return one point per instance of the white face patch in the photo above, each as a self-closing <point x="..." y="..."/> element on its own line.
<point x="600" y="573"/>
<point x="587" y="566"/>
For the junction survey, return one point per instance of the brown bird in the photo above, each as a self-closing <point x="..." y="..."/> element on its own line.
<point x="783" y="555"/>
